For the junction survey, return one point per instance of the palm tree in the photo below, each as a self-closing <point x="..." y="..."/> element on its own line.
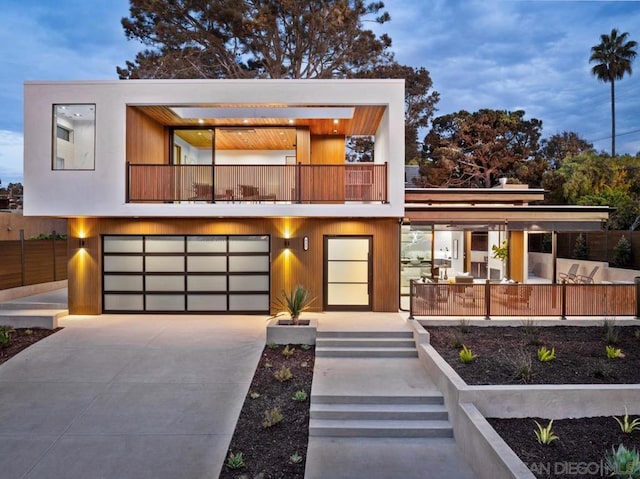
<point x="613" y="55"/>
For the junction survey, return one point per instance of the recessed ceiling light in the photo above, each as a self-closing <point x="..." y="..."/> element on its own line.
<point x="336" y="121"/>
<point x="201" y="121"/>
<point x="335" y="131"/>
<point x="291" y="121"/>
<point x="245" y="121"/>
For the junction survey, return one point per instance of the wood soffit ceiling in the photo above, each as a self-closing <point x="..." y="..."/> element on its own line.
<point x="365" y="120"/>
<point x="242" y="138"/>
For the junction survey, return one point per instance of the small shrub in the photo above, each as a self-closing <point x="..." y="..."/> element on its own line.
<point x="5" y="335"/>
<point x="254" y="395"/>
<point x="457" y="342"/>
<point x="305" y="347"/>
<point x="580" y="250"/>
<point x="283" y="374"/>
<point x="300" y="396"/>
<point x="545" y="435"/>
<point x="268" y="365"/>
<point x="530" y="330"/>
<point x="28" y="332"/>
<point x="520" y="364"/>
<point x="613" y="353"/>
<point x="545" y="354"/>
<point x="636" y="334"/>
<point x="466" y="356"/>
<point x="464" y="325"/>
<point x="272" y="345"/>
<point x="287" y="352"/>
<point x="235" y="461"/>
<point x="271" y="417"/>
<point x="628" y="426"/>
<point x="295" y="458"/>
<point x="624" y="463"/>
<point x="610" y="332"/>
<point x="304" y="364"/>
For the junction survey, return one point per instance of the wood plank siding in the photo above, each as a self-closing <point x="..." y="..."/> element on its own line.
<point x="288" y="267"/>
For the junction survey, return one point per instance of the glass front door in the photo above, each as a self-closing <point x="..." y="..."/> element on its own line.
<point x="347" y="273"/>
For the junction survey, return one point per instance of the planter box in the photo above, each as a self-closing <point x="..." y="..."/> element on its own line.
<point x="289" y="334"/>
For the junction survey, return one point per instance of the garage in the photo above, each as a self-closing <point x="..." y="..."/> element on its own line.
<point x="186" y="273"/>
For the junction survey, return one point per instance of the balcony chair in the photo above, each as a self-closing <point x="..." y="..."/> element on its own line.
<point x="588" y="279"/>
<point x="570" y="276"/>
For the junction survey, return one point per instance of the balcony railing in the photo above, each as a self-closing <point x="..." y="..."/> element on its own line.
<point x="523" y="300"/>
<point x="257" y="183"/>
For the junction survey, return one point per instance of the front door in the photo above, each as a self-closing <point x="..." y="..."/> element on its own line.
<point x="347" y="273"/>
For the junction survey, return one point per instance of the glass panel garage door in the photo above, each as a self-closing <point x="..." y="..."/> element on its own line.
<point x="196" y="274"/>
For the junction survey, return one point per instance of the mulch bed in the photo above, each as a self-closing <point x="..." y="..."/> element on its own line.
<point x="267" y="451"/>
<point x="23" y="338"/>
<point x="580" y="359"/>
<point x="579" y="450"/>
<point x="580" y="354"/>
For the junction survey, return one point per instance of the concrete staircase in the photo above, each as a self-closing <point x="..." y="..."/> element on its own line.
<point x="365" y="344"/>
<point x="379" y="416"/>
<point x="376" y="415"/>
<point x="32" y="314"/>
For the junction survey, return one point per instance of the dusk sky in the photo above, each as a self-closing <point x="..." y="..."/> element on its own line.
<point x="501" y="54"/>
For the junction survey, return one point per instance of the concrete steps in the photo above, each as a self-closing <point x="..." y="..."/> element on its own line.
<point x="379" y="416"/>
<point x="365" y="344"/>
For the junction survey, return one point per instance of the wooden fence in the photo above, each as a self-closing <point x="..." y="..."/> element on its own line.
<point x="523" y="300"/>
<point x="26" y="262"/>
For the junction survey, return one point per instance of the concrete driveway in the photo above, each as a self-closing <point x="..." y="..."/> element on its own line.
<point x="119" y="396"/>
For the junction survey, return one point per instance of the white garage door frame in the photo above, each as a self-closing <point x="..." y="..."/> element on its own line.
<point x="186" y="274"/>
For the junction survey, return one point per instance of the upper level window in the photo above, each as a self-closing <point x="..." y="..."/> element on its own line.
<point x="74" y="132"/>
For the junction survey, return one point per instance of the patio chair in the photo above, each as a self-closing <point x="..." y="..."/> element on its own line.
<point x="588" y="279"/>
<point x="570" y="276"/>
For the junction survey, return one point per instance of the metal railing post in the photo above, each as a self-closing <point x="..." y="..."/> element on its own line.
<point x="563" y="299"/>
<point x="487" y="299"/>
<point x="53" y="240"/>
<point x="128" y="180"/>
<point x="636" y="281"/>
<point x="22" y="259"/>
<point x="411" y="294"/>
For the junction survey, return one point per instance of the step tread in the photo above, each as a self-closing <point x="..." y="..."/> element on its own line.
<point x="364" y="334"/>
<point x="380" y="424"/>
<point x="364" y="340"/>
<point x="380" y="400"/>
<point x="363" y="348"/>
<point x="359" y="407"/>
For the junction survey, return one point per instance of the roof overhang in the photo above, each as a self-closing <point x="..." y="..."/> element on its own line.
<point x="515" y="217"/>
<point x="473" y="196"/>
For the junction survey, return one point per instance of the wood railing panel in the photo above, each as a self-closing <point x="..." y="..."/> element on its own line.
<point x="522" y="300"/>
<point x="258" y="183"/>
<point x="11" y="271"/>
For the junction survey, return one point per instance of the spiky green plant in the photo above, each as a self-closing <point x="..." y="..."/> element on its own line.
<point x="283" y="374"/>
<point x="628" y="426"/>
<point x="287" y="352"/>
<point x="300" y="396"/>
<point x="272" y="417"/>
<point x="295" y="458"/>
<point x="5" y="335"/>
<point x="545" y="355"/>
<point x="613" y="353"/>
<point x="624" y="463"/>
<point x="235" y="461"/>
<point x="296" y="302"/>
<point x="545" y="435"/>
<point x="466" y="356"/>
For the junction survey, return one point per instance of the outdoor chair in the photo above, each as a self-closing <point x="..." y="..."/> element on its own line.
<point x="570" y="276"/>
<point x="588" y="279"/>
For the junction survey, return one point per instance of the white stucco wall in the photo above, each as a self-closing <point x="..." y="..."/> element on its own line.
<point x="101" y="192"/>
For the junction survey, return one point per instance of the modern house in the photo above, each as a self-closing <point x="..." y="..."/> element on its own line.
<point x="214" y="196"/>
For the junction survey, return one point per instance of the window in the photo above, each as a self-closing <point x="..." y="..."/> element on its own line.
<point x="74" y="130"/>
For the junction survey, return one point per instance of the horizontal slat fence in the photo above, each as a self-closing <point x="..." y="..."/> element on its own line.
<point x="257" y="183"/>
<point x="32" y="262"/>
<point x="522" y="300"/>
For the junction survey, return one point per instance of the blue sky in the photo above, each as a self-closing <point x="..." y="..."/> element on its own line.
<point x="502" y="54"/>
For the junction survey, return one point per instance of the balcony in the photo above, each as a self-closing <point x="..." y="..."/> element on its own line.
<point x="314" y="184"/>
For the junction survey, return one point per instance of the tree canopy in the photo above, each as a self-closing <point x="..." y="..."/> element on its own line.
<point x="254" y="38"/>
<point x="475" y="149"/>
<point x="274" y="39"/>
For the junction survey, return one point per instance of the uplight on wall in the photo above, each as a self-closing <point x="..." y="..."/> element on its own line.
<point x="287" y="243"/>
<point x="81" y="243"/>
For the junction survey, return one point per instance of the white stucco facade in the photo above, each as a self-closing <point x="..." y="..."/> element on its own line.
<point x="101" y="192"/>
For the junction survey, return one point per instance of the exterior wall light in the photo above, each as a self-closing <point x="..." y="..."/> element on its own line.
<point x="81" y="243"/>
<point x="305" y="243"/>
<point x="287" y="243"/>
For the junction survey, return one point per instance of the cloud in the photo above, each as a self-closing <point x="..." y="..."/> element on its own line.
<point x="11" y="144"/>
